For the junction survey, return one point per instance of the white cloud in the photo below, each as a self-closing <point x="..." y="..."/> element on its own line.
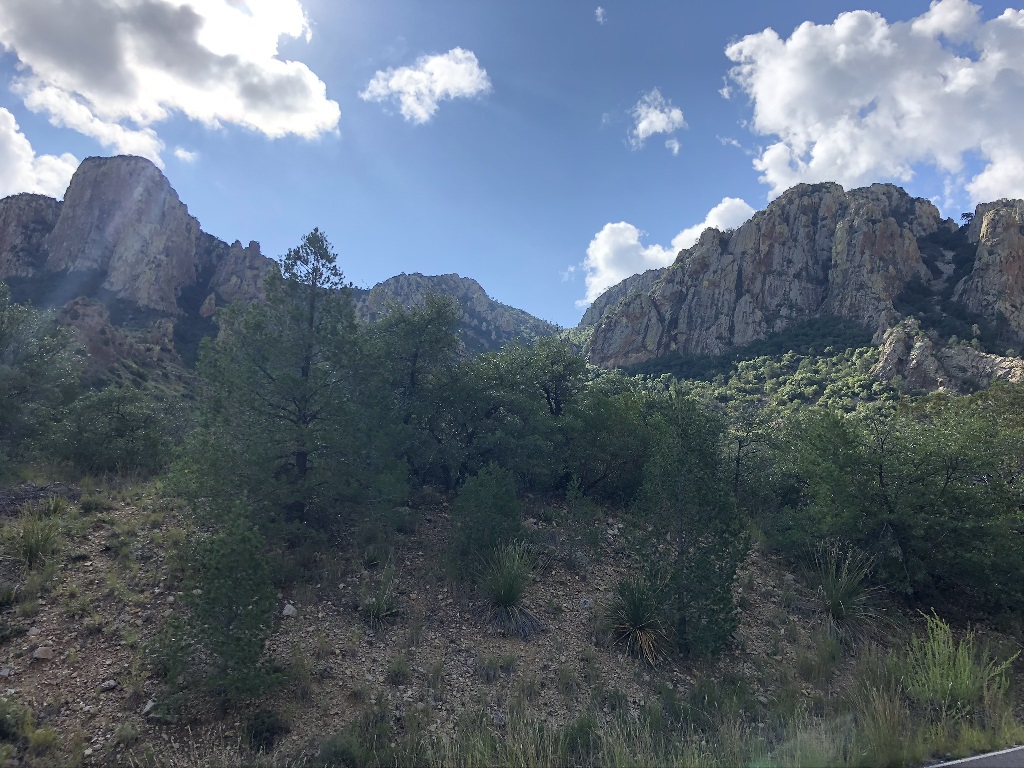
<point x="600" y="15"/>
<point x="419" y="89"/>
<point x="654" y="114"/>
<point x="112" y="69"/>
<point x="673" y="146"/>
<point x="185" y="155"/>
<point x="24" y="170"/>
<point x="862" y="99"/>
<point x="616" y="252"/>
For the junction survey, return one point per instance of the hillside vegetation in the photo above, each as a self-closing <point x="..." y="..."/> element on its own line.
<point x="350" y="544"/>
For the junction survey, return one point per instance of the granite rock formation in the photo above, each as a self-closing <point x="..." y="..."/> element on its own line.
<point x="819" y="251"/>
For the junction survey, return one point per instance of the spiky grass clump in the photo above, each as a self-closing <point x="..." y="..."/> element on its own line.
<point x="504" y="581"/>
<point x="380" y="602"/>
<point x="34" y="538"/>
<point x="637" y="618"/>
<point x="845" y="592"/>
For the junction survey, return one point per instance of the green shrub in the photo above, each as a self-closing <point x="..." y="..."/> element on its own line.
<point x="637" y="618"/>
<point x="951" y="678"/>
<point x="486" y="514"/>
<point x="92" y="503"/>
<point x="232" y="600"/>
<point x="503" y="582"/>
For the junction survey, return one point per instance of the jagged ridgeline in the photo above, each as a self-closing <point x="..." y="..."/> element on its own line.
<point x="822" y="267"/>
<point x="125" y="263"/>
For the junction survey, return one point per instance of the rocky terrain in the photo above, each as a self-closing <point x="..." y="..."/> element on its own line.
<point x="126" y="264"/>
<point x="873" y="255"/>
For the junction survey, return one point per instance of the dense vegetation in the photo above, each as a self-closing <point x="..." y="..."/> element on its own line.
<point x="314" y="433"/>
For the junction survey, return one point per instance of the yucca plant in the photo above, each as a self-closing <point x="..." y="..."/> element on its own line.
<point x="503" y="582"/>
<point x="844" y="589"/>
<point x="637" y="618"/>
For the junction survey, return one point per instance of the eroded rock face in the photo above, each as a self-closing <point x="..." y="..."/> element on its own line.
<point x="25" y="221"/>
<point x="816" y="250"/>
<point x="909" y="357"/>
<point x="121" y="233"/>
<point x="121" y="218"/>
<point x="995" y="288"/>
<point x="603" y="304"/>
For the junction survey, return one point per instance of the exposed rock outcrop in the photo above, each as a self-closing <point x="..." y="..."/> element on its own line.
<point x="815" y="251"/>
<point x="603" y="304"/>
<point x="25" y="221"/>
<point x="135" y="273"/>
<point x="122" y="235"/>
<point x="122" y="219"/>
<point x="484" y="324"/>
<point x="995" y="287"/>
<point x="912" y="359"/>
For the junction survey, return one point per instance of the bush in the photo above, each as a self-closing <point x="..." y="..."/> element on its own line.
<point x="637" y="617"/>
<point x="486" y="514"/>
<point x="952" y="678"/>
<point x="117" y="429"/>
<point x="503" y="582"/>
<point x="232" y="599"/>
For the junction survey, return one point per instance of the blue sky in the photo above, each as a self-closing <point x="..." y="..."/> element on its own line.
<point x="546" y="149"/>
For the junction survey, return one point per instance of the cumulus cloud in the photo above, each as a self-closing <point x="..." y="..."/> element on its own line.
<point x="185" y="155"/>
<point x="862" y="99"/>
<point x="600" y="16"/>
<point x="24" y="170"/>
<point x="654" y="114"/>
<point x="617" y="251"/>
<point x="112" y="69"/>
<point x="673" y="146"/>
<point x="420" y="88"/>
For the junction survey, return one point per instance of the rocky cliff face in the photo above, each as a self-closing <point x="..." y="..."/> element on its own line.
<point x="25" y="221"/>
<point x="121" y="234"/>
<point x="131" y="269"/>
<point x="995" y="287"/>
<point x="484" y="324"/>
<point x="607" y="301"/>
<point x="908" y="356"/>
<point x="815" y="251"/>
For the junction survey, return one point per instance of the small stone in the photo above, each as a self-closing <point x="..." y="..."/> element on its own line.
<point x="586" y="603"/>
<point x="197" y="591"/>
<point x="43" y="652"/>
<point x="150" y="706"/>
<point x="34" y="632"/>
<point x="170" y="599"/>
<point x="763" y="700"/>
<point x="289" y="610"/>
<point x="108" y="685"/>
<point x="7" y="672"/>
<point x="88" y="752"/>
